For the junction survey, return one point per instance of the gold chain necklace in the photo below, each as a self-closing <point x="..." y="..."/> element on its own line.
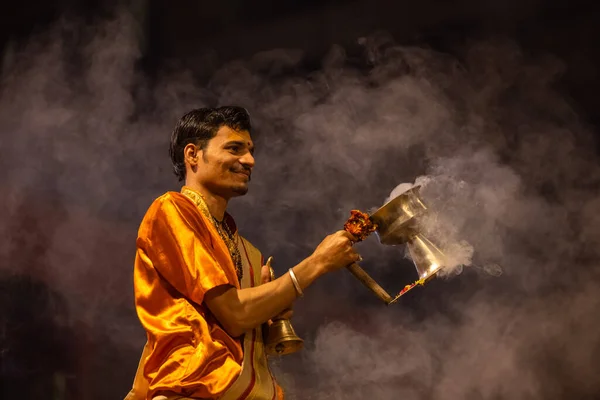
<point x="222" y="229"/>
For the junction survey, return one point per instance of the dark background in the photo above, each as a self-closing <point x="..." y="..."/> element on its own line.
<point x="236" y="29"/>
<point x="45" y="353"/>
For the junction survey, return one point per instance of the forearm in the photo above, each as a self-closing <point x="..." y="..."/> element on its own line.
<point x="241" y="310"/>
<point x="253" y="306"/>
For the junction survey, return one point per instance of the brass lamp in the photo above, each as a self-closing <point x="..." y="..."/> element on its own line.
<point x="396" y="223"/>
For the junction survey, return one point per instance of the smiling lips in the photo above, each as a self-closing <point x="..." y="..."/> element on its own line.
<point x="244" y="172"/>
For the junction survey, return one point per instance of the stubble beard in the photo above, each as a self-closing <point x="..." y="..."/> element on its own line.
<point x="231" y="190"/>
<point x="240" y="190"/>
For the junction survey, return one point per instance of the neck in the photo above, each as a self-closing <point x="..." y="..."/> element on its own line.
<point x="216" y="204"/>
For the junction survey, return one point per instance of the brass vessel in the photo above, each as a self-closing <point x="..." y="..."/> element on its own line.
<point x="428" y="259"/>
<point x="397" y="224"/>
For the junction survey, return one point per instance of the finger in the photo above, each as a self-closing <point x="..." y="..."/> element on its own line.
<point x="349" y="236"/>
<point x="265" y="274"/>
<point x="356" y="257"/>
<point x="285" y="314"/>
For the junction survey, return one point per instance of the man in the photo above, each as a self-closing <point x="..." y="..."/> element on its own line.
<point x="198" y="288"/>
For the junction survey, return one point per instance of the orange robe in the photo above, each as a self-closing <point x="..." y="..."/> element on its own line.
<point x="180" y="257"/>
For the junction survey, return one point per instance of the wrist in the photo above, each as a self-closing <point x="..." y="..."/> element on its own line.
<point x="318" y="267"/>
<point x="296" y="283"/>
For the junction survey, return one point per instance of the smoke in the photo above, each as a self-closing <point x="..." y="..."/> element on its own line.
<point x="510" y="178"/>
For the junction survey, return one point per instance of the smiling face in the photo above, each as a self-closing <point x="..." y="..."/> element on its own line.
<point x="224" y="165"/>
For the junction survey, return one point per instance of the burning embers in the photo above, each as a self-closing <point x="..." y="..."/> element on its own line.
<point x="360" y="225"/>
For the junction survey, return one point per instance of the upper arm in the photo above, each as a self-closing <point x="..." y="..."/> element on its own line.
<point x="224" y="304"/>
<point x="181" y="250"/>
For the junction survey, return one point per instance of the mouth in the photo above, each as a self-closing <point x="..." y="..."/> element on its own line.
<point x="244" y="173"/>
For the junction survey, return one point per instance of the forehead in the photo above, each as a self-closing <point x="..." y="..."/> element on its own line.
<point x="226" y="134"/>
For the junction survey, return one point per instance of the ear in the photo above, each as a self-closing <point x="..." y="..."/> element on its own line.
<point x="191" y="154"/>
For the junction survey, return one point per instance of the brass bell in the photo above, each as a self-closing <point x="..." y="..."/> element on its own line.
<point x="281" y="338"/>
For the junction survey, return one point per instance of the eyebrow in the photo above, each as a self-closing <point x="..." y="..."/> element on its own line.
<point x="241" y="143"/>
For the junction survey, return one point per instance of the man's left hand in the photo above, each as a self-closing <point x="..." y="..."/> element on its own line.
<point x="265" y="275"/>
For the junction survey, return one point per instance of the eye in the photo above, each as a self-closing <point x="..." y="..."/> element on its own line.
<point x="234" y="148"/>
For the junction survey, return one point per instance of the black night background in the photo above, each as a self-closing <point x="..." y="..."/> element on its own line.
<point x="492" y="105"/>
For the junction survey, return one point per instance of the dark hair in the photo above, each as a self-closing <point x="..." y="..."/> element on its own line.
<point x="199" y="126"/>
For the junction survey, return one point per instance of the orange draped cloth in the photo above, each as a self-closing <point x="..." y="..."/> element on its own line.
<point x="180" y="256"/>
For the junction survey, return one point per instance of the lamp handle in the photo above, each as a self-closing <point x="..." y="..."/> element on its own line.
<point x="369" y="282"/>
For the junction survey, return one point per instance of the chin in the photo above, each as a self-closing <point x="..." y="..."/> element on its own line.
<point x="239" y="190"/>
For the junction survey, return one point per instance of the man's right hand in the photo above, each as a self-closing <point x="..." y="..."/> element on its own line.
<point x="335" y="252"/>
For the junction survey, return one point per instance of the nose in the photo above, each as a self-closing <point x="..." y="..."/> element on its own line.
<point x="247" y="160"/>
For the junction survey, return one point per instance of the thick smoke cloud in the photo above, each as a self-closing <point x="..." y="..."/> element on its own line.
<point x="510" y="173"/>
